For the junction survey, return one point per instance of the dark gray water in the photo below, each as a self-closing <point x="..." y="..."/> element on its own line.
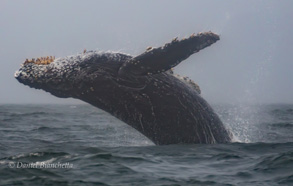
<point x="85" y="146"/>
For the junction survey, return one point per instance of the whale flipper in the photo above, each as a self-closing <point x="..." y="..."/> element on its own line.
<point x="157" y="60"/>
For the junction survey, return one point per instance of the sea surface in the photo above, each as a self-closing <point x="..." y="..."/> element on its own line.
<point x="82" y="145"/>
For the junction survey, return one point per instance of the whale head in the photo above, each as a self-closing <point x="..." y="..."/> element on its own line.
<point x="63" y="76"/>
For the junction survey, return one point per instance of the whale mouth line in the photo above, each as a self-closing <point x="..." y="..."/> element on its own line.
<point x="40" y="61"/>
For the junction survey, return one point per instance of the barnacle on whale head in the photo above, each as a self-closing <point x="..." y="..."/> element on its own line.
<point x="40" y="61"/>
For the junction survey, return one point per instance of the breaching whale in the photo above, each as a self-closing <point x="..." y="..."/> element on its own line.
<point x="142" y="91"/>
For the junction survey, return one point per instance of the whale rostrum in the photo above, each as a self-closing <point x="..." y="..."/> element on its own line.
<point x="142" y="91"/>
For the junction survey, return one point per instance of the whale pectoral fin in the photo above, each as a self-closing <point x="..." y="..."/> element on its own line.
<point x="156" y="60"/>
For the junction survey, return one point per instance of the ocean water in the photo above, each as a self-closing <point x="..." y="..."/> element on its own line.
<point x="82" y="145"/>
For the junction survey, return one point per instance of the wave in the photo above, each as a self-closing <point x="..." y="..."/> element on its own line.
<point x="281" y="125"/>
<point x="281" y="161"/>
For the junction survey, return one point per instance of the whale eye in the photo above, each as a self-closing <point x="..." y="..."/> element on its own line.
<point x="40" y="61"/>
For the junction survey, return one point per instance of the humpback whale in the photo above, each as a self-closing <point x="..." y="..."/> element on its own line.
<point x="141" y="90"/>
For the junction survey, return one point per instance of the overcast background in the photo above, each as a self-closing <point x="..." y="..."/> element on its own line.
<point x="252" y="63"/>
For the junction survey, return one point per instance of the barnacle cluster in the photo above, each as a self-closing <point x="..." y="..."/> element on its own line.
<point x="186" y="80"/>
<point x="41" y="61"/>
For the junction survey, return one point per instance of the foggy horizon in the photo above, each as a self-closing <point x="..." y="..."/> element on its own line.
<point x="251" y="63"/>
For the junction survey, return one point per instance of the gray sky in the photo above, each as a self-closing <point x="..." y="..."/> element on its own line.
<point x="250" y="64"/>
